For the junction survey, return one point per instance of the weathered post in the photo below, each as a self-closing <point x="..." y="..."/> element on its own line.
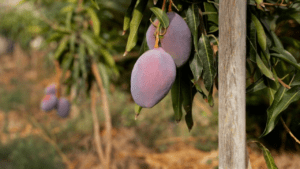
<point x="232" y="84"/>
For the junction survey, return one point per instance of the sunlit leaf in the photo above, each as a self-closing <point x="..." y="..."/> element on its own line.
<point x="261" y="35"/>
<point x="128" y="16"/>
<point x="62" y="46"/>
<point x="267" y="155"/>
<point x="161" y="16"/>
<point x="267" y="72"/>
<point x="95" y="20"/>
<point x="137" y="17"/>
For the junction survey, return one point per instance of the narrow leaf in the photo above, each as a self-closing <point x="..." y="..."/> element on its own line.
<point x="267" y="155"/>
<point x="193" y="20"/>
<point x="285" y="56"/>
<point x="261" y="35"/>
<point x="196" y="66"/>
<point x="213" y="19"/>
<point x="134" y="24"/>
<point x="95" y="20"/>
<point x="161" y="16"/>
<point x="176" y="96"/>
<point x="252" y="41"/>
<point x="128" y="16"/>
<point x="283" y="98"/>
<point x="267" y="72"/>
<point x="188" y="92"/>
<point x="256" y="86"/>
<point x="276" y="40"/>
<point x="206" y="56"/>
<point x="95" y="4"/>
<point x="137" y="110"/>
<point x="62" y="46"/>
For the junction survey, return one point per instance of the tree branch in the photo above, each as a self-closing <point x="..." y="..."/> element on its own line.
<point x="106" y="112"/>
<point x="96" y="125"/>
<point x="289" y="131"/>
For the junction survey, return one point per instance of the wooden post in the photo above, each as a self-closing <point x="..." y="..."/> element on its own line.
<point x="232" y="84"/>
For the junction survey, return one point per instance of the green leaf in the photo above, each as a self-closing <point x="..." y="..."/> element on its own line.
<point x="161" y="16"/>
<point x="283" y="98"/>
<point x="137" y="110"/>
<point x="295" y="16"/>
<point x="95" y="4"/>
<point x="267" y="72"/>
<point x="291" y="41"/>
<point x="213" y="19"/>
<point x="256" y="86"/>
<point x="272" y="88"/>
<point x="128" y="16"/>
<point x="193" y="20"/>
<point x="188" y="92"/>
<point x="89" y="41"/>
<point x="82" y="55"/>
<point x="199" y="89"/>
<point x="296" y="80"/>
<point x="137" y="17"/>
<point x="107" y="57"/>
<point x="196" y="66"/>
<point x="206" y="56"/>
<point x="66" y="64"/>
<point x="276" y="40"/>
<point x="267" y="155"/>
<point x="104" y="75"/>
<point x="252" y="41"/>
<point x="69" y="19"/>
<point x="176" y="96"/>
<point x="62" y="46"/>
<point x="72" y="43"/>
<point x="95" y="20"/>
<point x="261" y="35"/>
<point x="285" y="56"/>
<point x="76" y="74"/>
<point x="210" y="98"/>
<point x="67" y="9"/>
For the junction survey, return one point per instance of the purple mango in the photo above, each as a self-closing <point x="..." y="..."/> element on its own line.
<point x="51" y="89"/>
<point x="49" y="102"/>
<point x="177" y="40"/>
<point x="152" y="77"/>
<point x="63" y="107"/>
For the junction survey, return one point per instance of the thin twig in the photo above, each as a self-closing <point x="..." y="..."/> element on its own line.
<point x="170" y="5"/>
<point x="289" y="131"/>
<point x="96" y="126"/>
<point x="283" y="84"/>
<point x="270" y="4"/>
<point x="164" y="5"/>
<point x="106" y="113"/>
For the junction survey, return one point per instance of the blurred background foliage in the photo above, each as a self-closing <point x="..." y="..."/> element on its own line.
<point x="155" y="128"/>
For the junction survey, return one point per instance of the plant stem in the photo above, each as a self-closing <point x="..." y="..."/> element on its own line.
<point x="96" y="125"/>
<point x="106" y="111"/>
<point x="283" y="84"/>
<point x="170" y="5"/>
<point x="289" y="131"/>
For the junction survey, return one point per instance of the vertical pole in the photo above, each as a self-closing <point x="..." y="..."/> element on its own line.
<point x="232" y="84"/>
